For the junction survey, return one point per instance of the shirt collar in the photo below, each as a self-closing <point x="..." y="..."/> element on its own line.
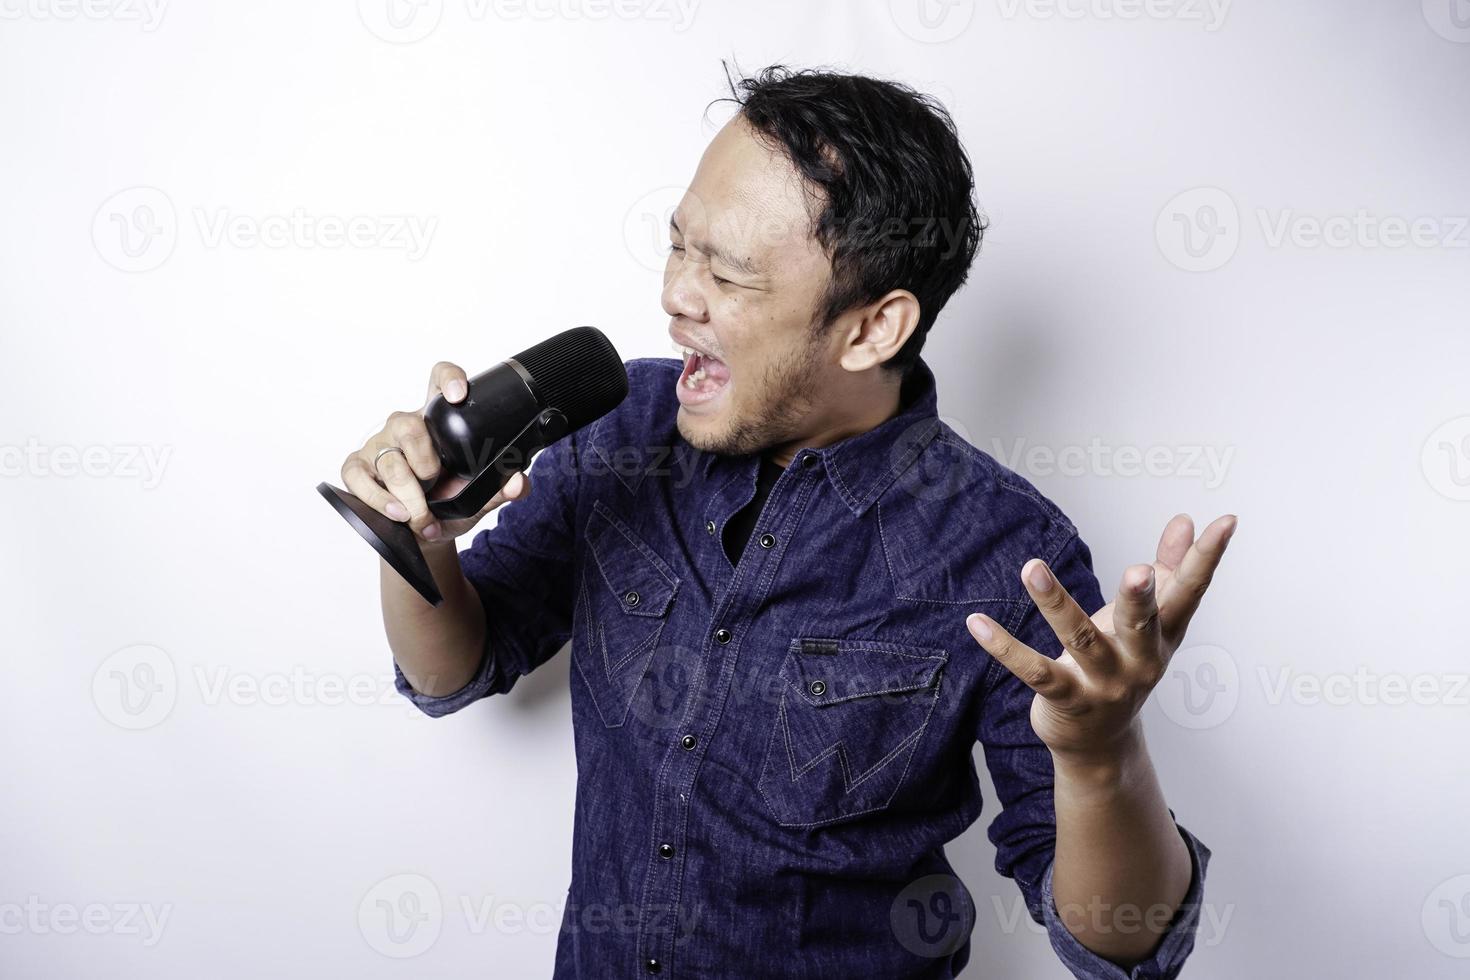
<point x="864" y="465"/>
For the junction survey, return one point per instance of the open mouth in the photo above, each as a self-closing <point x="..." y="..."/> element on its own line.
<point x="704" y="376"/>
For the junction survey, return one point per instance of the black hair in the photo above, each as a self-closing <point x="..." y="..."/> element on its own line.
<point x="894" y="203"/>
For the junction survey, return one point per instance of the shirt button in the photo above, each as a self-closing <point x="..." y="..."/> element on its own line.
<point x="666" y="850"/>
<point x="653" y="966"/>
<point x="818" y="688"/>
<point x="809" y="460"/>
<point x="688" y="741"/>
<point x="722" y="635"/>
<point x="709" y="526"/>
<point x="631" y="598"/>
<point x="768" y="540"/>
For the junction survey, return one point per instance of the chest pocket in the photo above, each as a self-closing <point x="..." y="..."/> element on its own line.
<point x="625" y="594"/>
<point x="848" y="719"/>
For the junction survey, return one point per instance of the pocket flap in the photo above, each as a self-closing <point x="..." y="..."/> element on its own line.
<point x="638" y="579"/>
<point x="826" y="671"/>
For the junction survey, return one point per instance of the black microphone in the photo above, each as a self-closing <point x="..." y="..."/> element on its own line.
<point x="511" y="411"/>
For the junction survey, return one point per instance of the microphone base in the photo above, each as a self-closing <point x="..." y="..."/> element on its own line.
<point x="394" y="541"/>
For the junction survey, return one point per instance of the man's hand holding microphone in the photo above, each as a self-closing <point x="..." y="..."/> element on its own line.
<point x="397" y="472"/>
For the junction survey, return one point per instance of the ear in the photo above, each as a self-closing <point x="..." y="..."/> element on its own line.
<point x="878" y="331"/>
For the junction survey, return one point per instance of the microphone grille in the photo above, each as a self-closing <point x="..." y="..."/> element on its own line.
<point x="578" y="372"/>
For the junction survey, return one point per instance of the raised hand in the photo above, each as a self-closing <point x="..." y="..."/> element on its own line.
<point x="1089" y="697"/>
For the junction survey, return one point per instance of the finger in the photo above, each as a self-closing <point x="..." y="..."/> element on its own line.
<point x="1182" y="593"/>
<point x="1037" y="671"/>
<point x="407" y="431"/>
<point x="1136" y="614"/>
<point x="450" y="380"/>
<point x="1078" y="633"/>
<point x="516" y="488"/>
<point x="399" y="478"/>
<point x="1175" y="541"/>
<point x="358" y="477"/>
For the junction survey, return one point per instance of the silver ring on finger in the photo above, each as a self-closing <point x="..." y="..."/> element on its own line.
<point x="387" y="449"/>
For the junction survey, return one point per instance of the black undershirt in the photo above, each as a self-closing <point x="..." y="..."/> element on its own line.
<point x="738" y="528"/>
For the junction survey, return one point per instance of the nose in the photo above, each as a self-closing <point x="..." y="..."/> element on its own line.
<point x="682" y="296"/>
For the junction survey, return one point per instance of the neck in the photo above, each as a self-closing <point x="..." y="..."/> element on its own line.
<point x="878" y="410"/>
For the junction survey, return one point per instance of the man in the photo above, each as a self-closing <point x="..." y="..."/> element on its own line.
<point x="795" y="598"/>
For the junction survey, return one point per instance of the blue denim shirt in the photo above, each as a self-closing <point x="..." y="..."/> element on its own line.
<point x="772" y="754"/>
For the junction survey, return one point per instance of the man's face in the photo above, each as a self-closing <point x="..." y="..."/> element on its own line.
<point x="743" y="282"/>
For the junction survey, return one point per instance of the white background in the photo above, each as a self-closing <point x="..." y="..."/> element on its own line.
<point x="539" y="144"/>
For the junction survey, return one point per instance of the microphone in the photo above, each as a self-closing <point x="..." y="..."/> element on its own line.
<point x="511" y="411"/>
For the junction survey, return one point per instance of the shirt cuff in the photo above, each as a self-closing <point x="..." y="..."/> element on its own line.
<point x="479" y="686"/>
<point x="1174" y="946"/>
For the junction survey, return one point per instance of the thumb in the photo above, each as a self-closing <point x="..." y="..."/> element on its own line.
<point x="516" y="488"/>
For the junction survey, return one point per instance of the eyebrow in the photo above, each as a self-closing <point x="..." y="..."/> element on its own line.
<point x="709" y="248"/>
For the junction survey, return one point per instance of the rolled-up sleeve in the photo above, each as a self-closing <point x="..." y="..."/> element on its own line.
<point x="1173" y="948"/>
<point x="1020" y="765"/>
<point x="523" y="569"/>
